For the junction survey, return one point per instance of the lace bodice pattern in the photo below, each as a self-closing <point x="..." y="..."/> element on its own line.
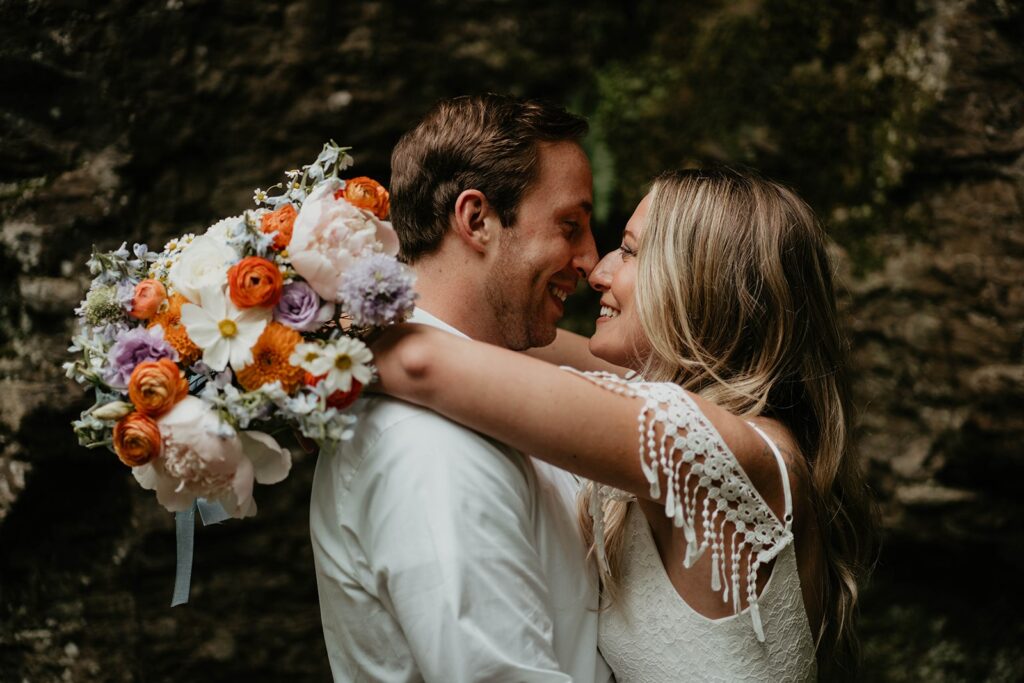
<point x="649" y="633"/>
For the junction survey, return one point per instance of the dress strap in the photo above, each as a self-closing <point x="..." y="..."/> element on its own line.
<point x="784" y="473"/>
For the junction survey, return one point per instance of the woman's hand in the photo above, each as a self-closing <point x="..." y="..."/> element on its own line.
<point x="573" y="350"/>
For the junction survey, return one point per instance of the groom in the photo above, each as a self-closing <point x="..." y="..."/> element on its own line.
<point x="442" y="555"/>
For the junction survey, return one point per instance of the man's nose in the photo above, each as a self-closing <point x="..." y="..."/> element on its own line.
<point x="586" y="256"/>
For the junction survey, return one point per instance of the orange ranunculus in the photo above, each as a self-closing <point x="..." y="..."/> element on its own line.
<point x="156" y="385"/>
<point x="280" y="221"/>
<point x="169" y="318"/>
<point x="149" y="294"/>
<point x="255" y="281"/>
<point x="367" y="193"/>
<point x="339" y="399"/>
<point x="270" y="363"/>
<point x="137" y="439"/>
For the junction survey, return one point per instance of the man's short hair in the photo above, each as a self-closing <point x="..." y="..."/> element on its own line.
<point x="482" y="142"/>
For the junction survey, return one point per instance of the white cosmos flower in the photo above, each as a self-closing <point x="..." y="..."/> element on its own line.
<point x="223" y="331"/>
<point x="339" y="362"/>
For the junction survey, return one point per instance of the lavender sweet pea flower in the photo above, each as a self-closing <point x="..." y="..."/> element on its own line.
<point x="301" y="308"/>
<point x="377" y="290"/>
<point x="133" y="347"/>
<point x="125" y="294"/>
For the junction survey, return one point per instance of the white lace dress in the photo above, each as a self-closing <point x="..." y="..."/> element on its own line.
<point x="649" y="634"/>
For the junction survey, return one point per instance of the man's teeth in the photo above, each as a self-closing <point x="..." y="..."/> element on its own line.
<point x="607" y="312"/>
<point x="559" y="294"/>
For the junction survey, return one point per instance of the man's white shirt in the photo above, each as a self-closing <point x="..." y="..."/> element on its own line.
<point x="442" y="555"/>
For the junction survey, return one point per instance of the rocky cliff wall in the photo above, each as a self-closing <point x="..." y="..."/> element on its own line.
<point x="900" y="121"/>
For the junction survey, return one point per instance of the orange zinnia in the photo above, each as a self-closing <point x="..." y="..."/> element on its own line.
<point x="174" y="332"/>
<point x="270" y="360"/>
<point x="280" y="221"/>
<point x="366" y="193"/>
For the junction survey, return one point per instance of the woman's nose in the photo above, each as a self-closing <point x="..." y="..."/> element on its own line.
<point x="601" y="276"/>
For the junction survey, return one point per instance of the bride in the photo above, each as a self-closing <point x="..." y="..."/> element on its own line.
<point x="727" y="512"/>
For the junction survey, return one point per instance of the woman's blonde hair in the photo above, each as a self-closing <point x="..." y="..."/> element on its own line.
<point x="735" y="297"/>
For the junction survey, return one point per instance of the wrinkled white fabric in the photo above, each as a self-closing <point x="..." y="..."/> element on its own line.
<point x="650" y="635"/>
<point x="442" y="555"/>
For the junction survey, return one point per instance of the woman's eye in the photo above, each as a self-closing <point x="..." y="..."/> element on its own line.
<point x="626" y="251"/>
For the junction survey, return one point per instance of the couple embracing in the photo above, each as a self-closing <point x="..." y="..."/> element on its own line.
<point x="673" y="499"/>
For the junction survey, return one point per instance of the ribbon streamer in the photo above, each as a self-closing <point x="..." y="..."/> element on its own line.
<point x="185" y="533"/>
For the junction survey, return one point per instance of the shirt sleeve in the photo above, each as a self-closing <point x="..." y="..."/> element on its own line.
<point x="448" y="530"/>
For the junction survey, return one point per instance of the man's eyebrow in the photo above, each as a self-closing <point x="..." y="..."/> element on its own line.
<point x="584" y="206"/>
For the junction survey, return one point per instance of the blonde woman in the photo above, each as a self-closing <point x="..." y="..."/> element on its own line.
<point x="728" y="517"/>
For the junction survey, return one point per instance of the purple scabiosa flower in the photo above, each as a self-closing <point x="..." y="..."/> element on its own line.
<point x="301" y="308"/>
<point x="377" y="290"/>
<point x="133" y="347"/>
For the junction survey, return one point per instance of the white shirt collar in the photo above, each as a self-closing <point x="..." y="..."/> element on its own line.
<point x="424" y="318"/>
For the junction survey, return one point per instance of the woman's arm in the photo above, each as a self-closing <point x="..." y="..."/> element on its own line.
<point x="535" y="407"/>
<point x="573" y="350"/>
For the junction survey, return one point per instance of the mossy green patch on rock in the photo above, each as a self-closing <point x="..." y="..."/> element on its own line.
<point x="826" y="96"/>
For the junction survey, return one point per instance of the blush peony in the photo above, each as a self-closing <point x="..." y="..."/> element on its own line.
<point x="202" y="457"/>
<point x="329" y="233"/>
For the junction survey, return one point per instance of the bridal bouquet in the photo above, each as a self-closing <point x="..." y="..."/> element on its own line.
<point x="199" y="353"/>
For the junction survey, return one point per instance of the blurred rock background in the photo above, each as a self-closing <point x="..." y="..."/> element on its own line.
<point x="901" y="121"/>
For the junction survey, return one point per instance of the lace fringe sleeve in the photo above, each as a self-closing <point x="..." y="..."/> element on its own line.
<point x="691" y="458"/>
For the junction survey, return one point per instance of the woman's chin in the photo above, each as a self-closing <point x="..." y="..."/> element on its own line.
<point x="613" y="349"/>
<point x="600" y="347"/>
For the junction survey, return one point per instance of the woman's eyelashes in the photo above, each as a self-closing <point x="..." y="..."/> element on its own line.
<point x="626" y="250"/>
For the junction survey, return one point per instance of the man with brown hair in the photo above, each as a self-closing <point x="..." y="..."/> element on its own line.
<point x="442" y="555"/>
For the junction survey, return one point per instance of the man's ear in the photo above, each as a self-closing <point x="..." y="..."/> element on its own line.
<point x="475" y="221"/>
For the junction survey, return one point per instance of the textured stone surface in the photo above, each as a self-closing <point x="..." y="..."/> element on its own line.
<point x="901" y="122"/>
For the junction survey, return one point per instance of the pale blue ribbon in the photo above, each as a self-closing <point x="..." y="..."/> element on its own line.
<point x="185" y="531"/>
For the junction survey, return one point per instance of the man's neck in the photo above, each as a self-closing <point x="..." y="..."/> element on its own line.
<point x="453" y="300"/>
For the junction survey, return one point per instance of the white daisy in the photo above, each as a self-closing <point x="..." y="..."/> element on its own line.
<point x="338" y="362"/>
<point x="305" y="355"/>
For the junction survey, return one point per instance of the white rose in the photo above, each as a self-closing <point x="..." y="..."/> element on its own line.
<point x="203" y="263"/>
<point x="224" y="228"/>
<point x="329" y="234"/>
